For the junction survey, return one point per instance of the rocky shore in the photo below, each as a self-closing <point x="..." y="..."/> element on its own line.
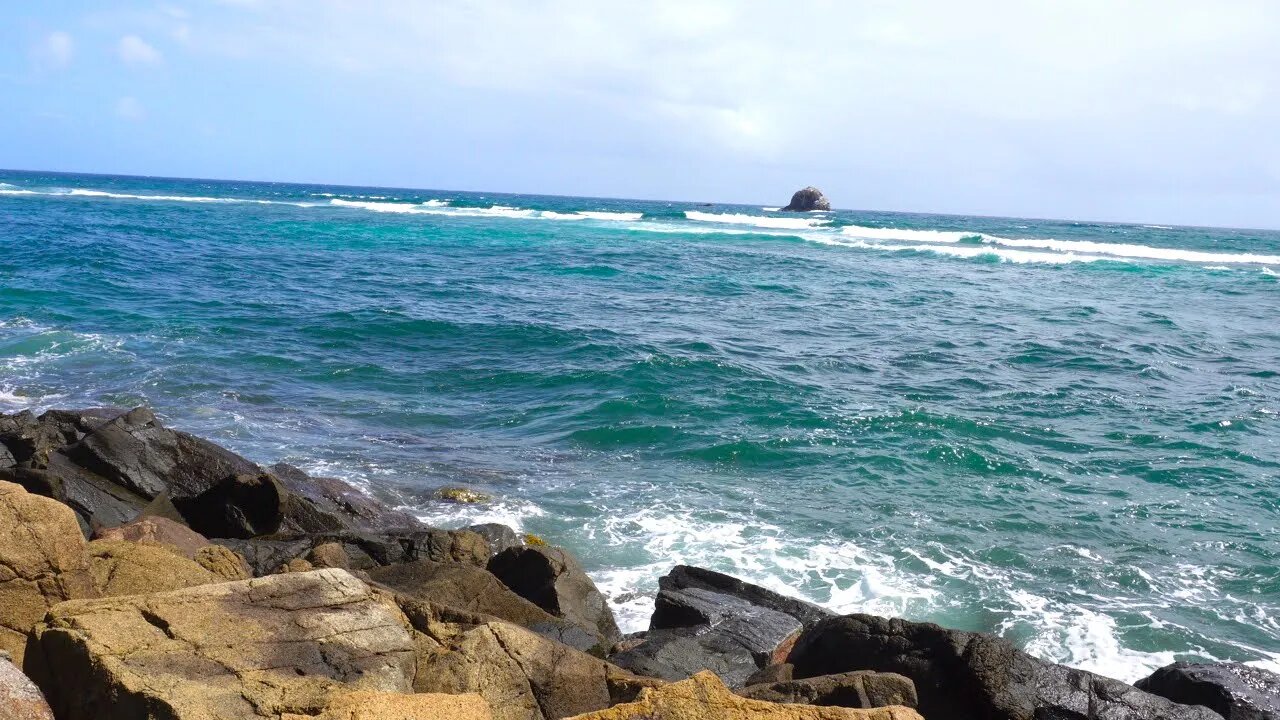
<point x="148" y="573"/>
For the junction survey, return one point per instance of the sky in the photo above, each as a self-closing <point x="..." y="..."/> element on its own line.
<point x="1124" y="110"/>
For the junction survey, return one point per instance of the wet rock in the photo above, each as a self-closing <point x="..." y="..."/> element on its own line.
<point x="670" y="611"/>
<point x="157" y="531"/>
<point x="1234" y="690"/>
<point x="499" y="536"/>
<point x="252" y="649"/>
<point x="127" y="568"/>
<point x="858" y="689"/>
<point x="20" y="699"/>
<point x="807" y="200"/>
<point x="961" y="675"/>
<point x="705" y="697"/>
<point x="522" y="675"/>
<point x="340" y="499"/>
<point x="43" y="561"/>
<point x="552" y="579"/>
<point x="399" y="706"/>
<point x="364" y="551"/>
<point x="461" y="495"/>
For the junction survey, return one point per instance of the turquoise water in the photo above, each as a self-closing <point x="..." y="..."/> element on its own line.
<point x="1062" y="432"/>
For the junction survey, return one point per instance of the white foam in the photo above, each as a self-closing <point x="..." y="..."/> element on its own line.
<point x="612" y="216"/>
<point x="940" y="236"/>
<point x="1269" y="271"/>
<point x="1142" y="252"/>
<point x="437" y="207"/>
<point x="964" y="251"/>
<point x="774" y="223"/>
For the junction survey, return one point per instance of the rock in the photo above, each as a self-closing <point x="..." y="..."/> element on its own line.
<point x="252" y="649"/>
<point x="524" y="676"/>
<point x="499" y="536"/>
<point x="535" y="540"/>
<point x="1234" y="690"/>
<point x="961" y="675"/>
<point x="449" y="546"/>
<point x="398" y="706"/>
<point x="704" y="697"/>
<point x="466" y="587"/>
<point x="807" y="200"/>
<point x="338" y="498"/>
<point x="223" y="562"/>
<point x="43" y="561"/>
<point x="364" y="551"/>
<point x="20" y="699"/>
<point x="857" y="689"/>
<point x="553" y="580"/>
<point x="127" y="568"/>
<point x="706" y="620"/>
<point x="238" y="506"/>
<point x="465" y="496"/>
<point x="776" y="673"/>
<point x="329" y="555"/>
<point x="157" y="531"/>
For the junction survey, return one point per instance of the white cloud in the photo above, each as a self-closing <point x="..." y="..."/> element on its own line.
<point x="129" y="108"/>
<point x="133" y="50"/>
<point x="56" y="50"/>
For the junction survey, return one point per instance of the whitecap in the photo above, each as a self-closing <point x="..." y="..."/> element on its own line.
<point x="603" y="215"/>
<point x="940" y="236"/>
<point x="800" y="223"/>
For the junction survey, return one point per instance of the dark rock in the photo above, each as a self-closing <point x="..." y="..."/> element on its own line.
<point x="363" y="551"/>
<point x="552" y="579"/>
<point x="240" y="506"/>
<point x="857" y="689"/>
<point x="1233" y="690"/>
<point x="775" y="673"/>
<point x="671" y="610"/>
<point x="499" y="536"/>
<point x="962" y="676"/>
<point x="338" y="498"/>
<point x="808" y="199"/>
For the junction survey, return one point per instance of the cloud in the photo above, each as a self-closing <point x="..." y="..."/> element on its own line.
<point x="56" y="50"/>
<point x="129" y="108"/>
<point x="133" y="50"/>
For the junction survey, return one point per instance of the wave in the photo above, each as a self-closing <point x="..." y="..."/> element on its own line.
<point x="773" y="223"/>
<point x="964" y="251"/>
<point x="872" y="233"/>
<point x="80" y="192"/>
<point x="442" y="207"/>
<point x="603" y="215"/>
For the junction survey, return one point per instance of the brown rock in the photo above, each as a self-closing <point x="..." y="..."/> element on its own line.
<point x="775" y="673"/>
<point x="398" y="706"/>
<point x="295" y="565"/>
<point x="462" y="586"/>
<point x="20" y="699"/>
<point x="157" y="531"/>
<point x="704" y="697"/>
<point x="329" y="555"/>
<point x="223" y="562"/>
<point x="857" y="689"/>
<point x="43" y="561"/>
<point x="462" y="546"/>
<point x="552" y="579"/>
<point x="129" y="568"/>
<point x="251" y="649"/>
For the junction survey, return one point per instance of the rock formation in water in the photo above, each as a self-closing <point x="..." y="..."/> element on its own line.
<point x="807" y="200"/>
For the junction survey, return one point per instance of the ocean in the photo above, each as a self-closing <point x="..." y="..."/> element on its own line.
<point x="1062" y="432"/>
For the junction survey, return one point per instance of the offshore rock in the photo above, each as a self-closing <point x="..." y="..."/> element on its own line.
<point x="704" y="697"/>
<point x="1234" y="690"/>
<point x="807" y="200"/>
<point x="857" y="689"/>
<point x="43" y="561"/>
<point x="552" y="579"/>
<point x="252" y="649"/>
<point x="962" y="675"/>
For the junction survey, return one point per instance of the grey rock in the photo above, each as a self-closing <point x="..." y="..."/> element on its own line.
<point x="857" y="689"/>
<point x="552" y="579"/>
<point x="808" y="199"/>
<point x="499" y="536"/>
<point x="1234" y="690"/>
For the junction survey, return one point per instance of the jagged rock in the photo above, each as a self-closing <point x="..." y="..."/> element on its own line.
<point x="461" y="495"/>
<point x="775" y="673"/>
<point x="1234" y="690"/>
<point x="157" y="531"/>
<point x="340" y="499"/>
<point x="223" y="562"/>
<point x="705" y="697"/>
<point x="705" y="620"/>
<point x="499" y="536"/>
<point x="20" y="699"/>
<point x="364" y="551"/>
<point x="466" y="587"/>
<point x="857" y="689"/>
<point x="553" y="580"/>
<point x="961" y="675"/>
<point x="238" y="506"/>
<point x="807" y="200"/>
<point x="43" y="561"/>
<point x="251" y="649"/>
<point x="398" y="706"/>
<point x="523" y="675"/>
<point x="127" y="568"/>
<point x="330" y="554"/>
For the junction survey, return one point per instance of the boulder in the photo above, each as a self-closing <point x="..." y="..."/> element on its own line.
<point x="522" y="675"/>
<point x="552" y="579"/>
<point x="363" y="550"/>
<point x="157" y="531"/>
<point x="338" y="498"/>
<point x="238" y="506"/>
<point x="704" y="697"/>
<point x="962" y="675"/>
<point x="251" y="649"/>
<point x="857" y="689"/>
<point x="400" y="706"/>
<point x="43" y="561"/>
<point x="466" y="587"/>
<point x="128" y="568"/>
<point x="807" y="200"/>
<point x="499" y="536"/>
<point x="705" y="620"/>
<point x="223" y="562"/>
<point x="776" y="673"/>
<point x="20" y="699"/>
<point x="1234" y="690"/>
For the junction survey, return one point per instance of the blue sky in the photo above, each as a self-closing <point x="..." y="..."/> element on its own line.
<point x="1146" y="111"/>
